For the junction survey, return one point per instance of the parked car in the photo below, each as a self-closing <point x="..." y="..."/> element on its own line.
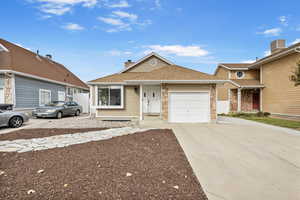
<point x="57" y="109"/>
<point x="12" y="119"/>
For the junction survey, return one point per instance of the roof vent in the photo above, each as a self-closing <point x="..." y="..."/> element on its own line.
<point x="277" y="45"/>
<point x="128" y="63"/>
<point x="49" y="56"/>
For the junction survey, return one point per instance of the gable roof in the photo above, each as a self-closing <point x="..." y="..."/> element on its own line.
<point x="170" y="72"/>
<point x="145" y="58"/>
<point x="277" y="55"/>
<point x="24" y="61"/>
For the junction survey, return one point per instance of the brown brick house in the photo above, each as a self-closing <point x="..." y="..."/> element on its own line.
<point x="264" y="85"/>
<point x="154" y="86"/>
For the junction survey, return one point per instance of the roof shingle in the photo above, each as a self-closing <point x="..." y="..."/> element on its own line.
<point x="25" y="61"/>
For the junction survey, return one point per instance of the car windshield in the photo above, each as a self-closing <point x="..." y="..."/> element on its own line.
<point x="56" y="103"/>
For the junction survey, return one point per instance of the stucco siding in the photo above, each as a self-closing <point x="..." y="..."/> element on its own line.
<point x="131" y="105"/>
<point x="27" y="91"/>
<point x="146" y="65"/>
<point x="280" y="95"/>
<point x="249" y="74"/>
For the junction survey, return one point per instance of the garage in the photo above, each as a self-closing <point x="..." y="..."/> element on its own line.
<point x="189" y="107"/>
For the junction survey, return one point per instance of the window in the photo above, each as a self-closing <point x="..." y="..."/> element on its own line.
<point x="240" y="74"/>
<point x="110" y="96"/>
<point x="61" y="96"/>
<point x="45" y="97"/>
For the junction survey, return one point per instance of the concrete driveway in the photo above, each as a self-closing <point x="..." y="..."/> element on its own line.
<point x="235" y="162"/>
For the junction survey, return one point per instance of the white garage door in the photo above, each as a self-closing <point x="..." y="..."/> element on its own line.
<point x="189" y="107"/>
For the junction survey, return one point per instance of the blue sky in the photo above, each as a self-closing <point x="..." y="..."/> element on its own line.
<point x="94" y="37"/>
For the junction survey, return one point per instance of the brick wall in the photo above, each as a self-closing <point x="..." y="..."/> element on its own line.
<point x="164" y="102"/>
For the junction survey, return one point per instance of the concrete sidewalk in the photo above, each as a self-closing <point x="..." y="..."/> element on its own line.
<point x="245" y="162"/>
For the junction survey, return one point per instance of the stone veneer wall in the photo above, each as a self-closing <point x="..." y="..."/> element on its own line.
<point x="165" y="102"/>
<point x="164" y="90"/>
<point x="213" y="106"/>
<point x="8" y="89"/>
<point x="233" y="100"/>
<point x="247" y="100"/>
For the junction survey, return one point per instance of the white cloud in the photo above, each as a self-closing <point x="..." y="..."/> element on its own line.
<point x="267" y="53"/>
<point x="272" y="32"/>
<point x="123" y="14"/>
<point x="73" y="27"/>
<point x="120" y="4"/>
<point x="296" y="41"/>
<point x="118" y="24"/>
<point x="283" y="20"/>
<point x="248" y="61"/>
<point x="122" y="21"/>
<point x="54" y="9"/>
<point x="111" y="21"/>
<point x="60" y="7"/>
<point x="178" y="50"/>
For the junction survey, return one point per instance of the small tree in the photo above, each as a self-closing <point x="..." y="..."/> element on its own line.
<point x="296" y="75"/>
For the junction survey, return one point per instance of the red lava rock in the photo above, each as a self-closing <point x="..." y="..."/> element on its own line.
<point x="156" y="170"/>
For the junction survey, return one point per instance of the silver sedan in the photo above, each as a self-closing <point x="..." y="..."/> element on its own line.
<point x="12" y="119"/>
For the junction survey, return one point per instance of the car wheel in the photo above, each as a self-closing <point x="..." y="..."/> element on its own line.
<point x="77" y="113"/>
<point x="15" y="122"/>
<point x="59" y="115"/>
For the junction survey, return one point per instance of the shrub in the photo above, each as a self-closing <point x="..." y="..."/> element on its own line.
<point x="260" y="114"/>
<point x="267" y="114"/>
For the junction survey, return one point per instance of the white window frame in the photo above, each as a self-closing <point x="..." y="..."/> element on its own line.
<point x="109" y="106"/>
<point x="61" y="92"/>
<point x="241" y="76"/>
<point x="40" y="98"/>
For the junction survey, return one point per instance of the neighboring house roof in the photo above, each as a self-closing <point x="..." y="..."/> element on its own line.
<point x="24" y="61"/>
<point x="284" y="52"/>
<point x="170" y="72"/>
<point x="247" y="83"/>
<point x="145" y="58"/>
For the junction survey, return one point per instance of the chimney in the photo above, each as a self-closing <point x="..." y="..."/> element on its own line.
<point x="128" y="63"/>
<point x="49" y="56"/>
<point x="277" y="45"/>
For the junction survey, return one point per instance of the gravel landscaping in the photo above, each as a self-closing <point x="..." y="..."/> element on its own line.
<point x="77" y="122"/>
<point x="43" y="132"/>
<point x="144" y="165"/>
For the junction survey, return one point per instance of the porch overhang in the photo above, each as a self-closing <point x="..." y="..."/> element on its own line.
<point x="176" y="81"/>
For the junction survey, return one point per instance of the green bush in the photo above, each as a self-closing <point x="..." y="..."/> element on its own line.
<point x="267" y="114"/>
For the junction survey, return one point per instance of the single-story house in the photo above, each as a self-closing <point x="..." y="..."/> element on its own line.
<point x="266" y="85"/>
<point x="29" y="80"/>
<point x="154" y="87"/>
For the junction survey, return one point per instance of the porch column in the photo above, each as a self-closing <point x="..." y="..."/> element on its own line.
<point x="239" y="99"/>
<point x="141" y="102"/>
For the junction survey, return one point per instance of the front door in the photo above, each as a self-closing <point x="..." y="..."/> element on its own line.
<point x="151" y="99"/>
<point x="256" y="101"/>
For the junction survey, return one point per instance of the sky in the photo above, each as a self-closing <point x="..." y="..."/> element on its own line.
<point x="93" y="38"/>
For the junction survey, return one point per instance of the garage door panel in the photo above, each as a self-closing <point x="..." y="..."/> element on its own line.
<point x="189" y="107"/>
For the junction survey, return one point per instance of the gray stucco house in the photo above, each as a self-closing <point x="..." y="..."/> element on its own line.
<point x="29" y="80"/>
